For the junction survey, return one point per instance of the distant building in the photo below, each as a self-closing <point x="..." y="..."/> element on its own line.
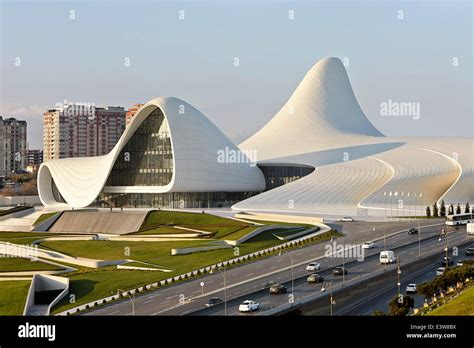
<point x="131" y="112"/>
<point x="35" y="157"/>
<point x="81" y="130"/>
<point x="13" y="145"/>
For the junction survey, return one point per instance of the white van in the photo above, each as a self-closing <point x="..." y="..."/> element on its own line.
<point x="387" y="256"/>
<point x="470" y="228"/>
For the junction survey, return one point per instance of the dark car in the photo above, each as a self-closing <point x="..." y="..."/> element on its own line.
<point x="339" y="271"/>
<point x="278" y="289"/>
<point x="443" y="263"/>
<point x="470" y="251"/>
<point x="213" y="301"/>
<point x="413" y="231"/>
<point x="315" y="278"/>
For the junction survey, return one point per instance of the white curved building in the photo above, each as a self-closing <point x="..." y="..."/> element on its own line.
<point x="170" y="155"/>
<point x="357" y="170"/>
<point x="318" y="154"/>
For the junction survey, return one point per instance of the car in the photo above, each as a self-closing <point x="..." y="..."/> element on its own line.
<point x="470" y="251"/>
<point x="460" y="263"/>
<point x="443" y="263"/>
<point x="315" y="278"/>
<point x="339" y="271"/>
<point x="313" y="266"/>
<point x="346" y="219"/>
<point x="440" y="271"/>
<point x="411" y="288"/>
<point x="412" y="231"/>
<point x="278" y="289"/>
<point x="213" y="301"/>
<point x="249" y="306"/>
<point x="368" y="245"/>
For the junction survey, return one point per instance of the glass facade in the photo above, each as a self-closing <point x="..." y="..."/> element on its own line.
<point x="147" y="158"/>
<point x="56" y="194"/>
<point x="278" y="175"/>
<point x="172" y="200"/>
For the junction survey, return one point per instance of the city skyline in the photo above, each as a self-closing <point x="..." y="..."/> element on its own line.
<point x="87" y="46"/>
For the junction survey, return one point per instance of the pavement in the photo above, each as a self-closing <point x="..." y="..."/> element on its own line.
<point x="248" y="280"/>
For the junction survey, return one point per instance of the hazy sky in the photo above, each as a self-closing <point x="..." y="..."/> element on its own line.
<point x="76" y="50"/>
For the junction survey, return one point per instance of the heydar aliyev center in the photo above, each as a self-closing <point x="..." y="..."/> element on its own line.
<point x="319" y="154"/>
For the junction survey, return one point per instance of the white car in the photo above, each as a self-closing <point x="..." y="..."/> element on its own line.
<point x="368" y="245"/>
<point x="249" y="306"/>
<point x="440" y="271"/>
<point x="313" y="266"/>
<point x="346" y="219"/>
<point x="411" y="288"/>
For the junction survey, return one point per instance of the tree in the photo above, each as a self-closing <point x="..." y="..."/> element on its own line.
<point x="428" y="211"/>
<point x="458" y="209"/>
<point x="467" y="209"/>
<point x="378" y="313"/>
<point x="451" y="209"/>
<point x="401" y="308"/>
<point x="435" y="210"/>
<point x="442" y="210"/>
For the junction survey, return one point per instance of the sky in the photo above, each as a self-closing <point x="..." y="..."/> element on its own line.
<point x="124" y="52"/>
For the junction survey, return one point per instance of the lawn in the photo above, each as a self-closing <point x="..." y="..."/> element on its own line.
<point x="163" y="217"/>
<point x="44" y="217"/>
<point x="16" y="264"/>
<point x="243" y="231"/>
<point x="462" y="305"/>
<point x="13" y="296"/>
<point x="220" y="226"/>
<point x="162" y="230"/>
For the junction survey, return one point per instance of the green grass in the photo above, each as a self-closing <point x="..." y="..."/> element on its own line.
<point x="462" y="305"/>
<point x="240" y="233"/>
<point x="162" y="230"/>
<point x="163" y="217"/>
<point x="13" y="296"/>
<point x="279" y="223"/>
<point x="219" y="226"/>
<point x="286" y="232"/>
<point x="16" y="264"/>
<point x="142" y="264"/>
<point x="44" y="217"/>
<point x="92" y="284"/>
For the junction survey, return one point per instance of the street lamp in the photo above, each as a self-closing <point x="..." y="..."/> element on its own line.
<point x="224" y="275"/>
<point x="130" y="296"/>
<point x="399" y="271"/>
<point x="290" y="253"/>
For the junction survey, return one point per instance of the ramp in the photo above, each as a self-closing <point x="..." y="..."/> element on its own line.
<point x="98" y="222"/>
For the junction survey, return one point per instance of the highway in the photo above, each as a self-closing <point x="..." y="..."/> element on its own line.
<point x="381" y="301"/>
<point x="186" y="298"/>
<point x="356" y="269"/>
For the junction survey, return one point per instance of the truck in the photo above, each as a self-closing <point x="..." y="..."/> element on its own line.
<point x="387" y="257"/>
<point x="470" y="228"/>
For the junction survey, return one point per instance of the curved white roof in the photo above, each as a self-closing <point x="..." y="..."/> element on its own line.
<point x="195" y="142"/>
<point x="323" y="126"/>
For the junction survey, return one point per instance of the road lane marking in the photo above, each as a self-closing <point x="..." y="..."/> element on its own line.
<point x="112" y="313"/>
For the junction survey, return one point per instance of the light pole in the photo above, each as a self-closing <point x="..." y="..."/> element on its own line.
<point x="290" y="253"/>
<point x="331" y="298"/>
<point x="419" y="239"/>
<point x="399" y="271"/>
<point x="130" y="296"/>
<point x="408" y="201"/>
<point x="224" y="274"/>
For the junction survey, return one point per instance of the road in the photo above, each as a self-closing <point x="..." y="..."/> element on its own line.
<point x="186" y="298"/>
<point x="381" y="301"/>
<point x="408" y="252"/>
